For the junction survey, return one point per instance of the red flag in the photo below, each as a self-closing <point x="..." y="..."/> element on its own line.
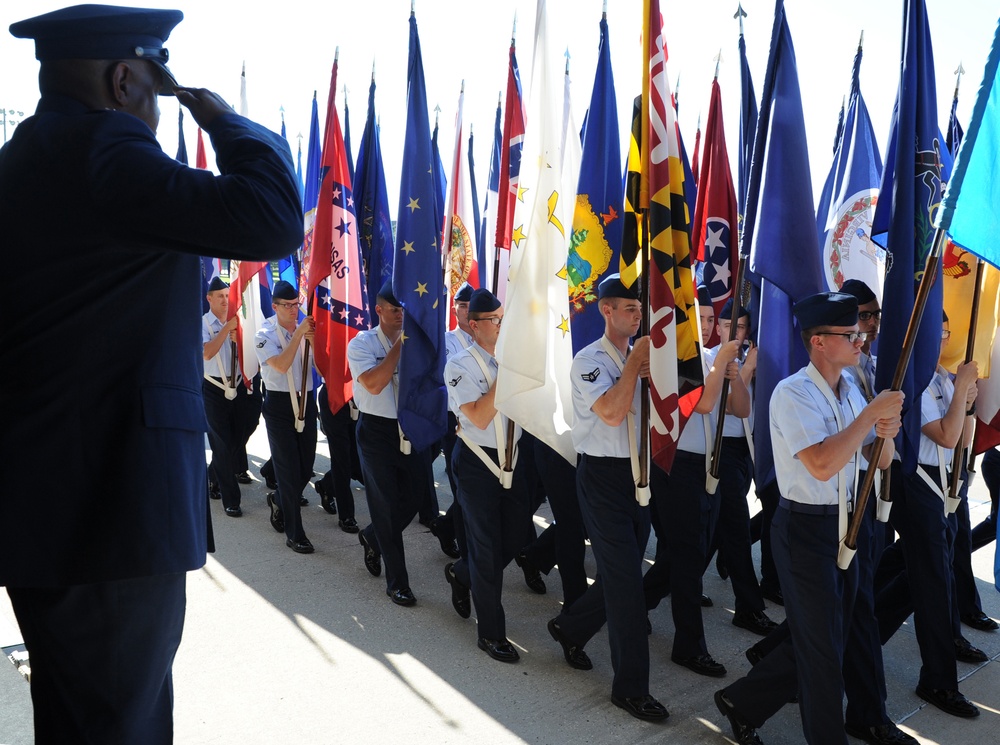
<point x="200" y="161"/>
<point x="241" y="275"/>
<point x="697" y="147"/>
<point x="714" y="231"/>
<point x="510" y="170"/>
<point x="334" y="279"/>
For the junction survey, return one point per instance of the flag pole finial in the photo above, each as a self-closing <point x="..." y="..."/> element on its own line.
<point x="373" y="69"/>
<point x="336" y="54"/>
<point x="861" y="41"/>
<point x="567" y="56"/>
<point x="437" y="111"/>
<point x="513" y="31"/>
<point x="740" y="14"/>
<point x="718" y="60"/>
<point x="413" y="8"/>
<point x="959" y="72"/>
<point x="604" y="12"/>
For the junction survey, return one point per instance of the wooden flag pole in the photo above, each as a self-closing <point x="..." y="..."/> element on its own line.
<point x="644" y="331"/>
<point x="970" y="347"/>
<point x="305" y="369"/>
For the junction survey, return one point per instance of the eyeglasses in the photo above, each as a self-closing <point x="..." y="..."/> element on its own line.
<point x="287" y="306"/>
<point x="946" y="334"/>
<point x="867" y="315"/>
<point x="495" y="320"/>
<point x="851" y="336"/>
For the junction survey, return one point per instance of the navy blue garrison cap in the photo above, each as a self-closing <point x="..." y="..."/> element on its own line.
<point x="612" y="286"/>
<point x="483" y="301"/>
<point x="826" y="309"/>
<point x="704" y="296"/>
<point x="859" y="289"/>
<point x="284" y="291"/>
<point x="464" y="293"/>
<point x="385" y="293"/>
<point x="103" y="32"/>
<point x="217" y="284"/>
<point x="727" y="311"/>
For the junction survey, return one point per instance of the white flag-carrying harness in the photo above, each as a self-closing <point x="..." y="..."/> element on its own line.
<point x="641" y="492"/>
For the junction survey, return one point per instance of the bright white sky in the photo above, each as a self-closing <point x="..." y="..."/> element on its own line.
<point x="288" y="48"/>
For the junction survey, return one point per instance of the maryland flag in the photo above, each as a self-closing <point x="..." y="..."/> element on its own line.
<point x="675" y="357"/>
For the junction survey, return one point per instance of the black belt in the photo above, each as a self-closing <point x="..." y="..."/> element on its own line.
<point x="812" y="509"/>
<point x="603" y="458"/>
<point x="376" y="418"/>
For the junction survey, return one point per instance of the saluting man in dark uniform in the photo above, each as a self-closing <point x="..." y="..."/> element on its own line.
<point x="96" y="574"/>
<point x="821" y="430"/>
<point x="393" y="478"/>
<point x="280" y="348"/>
<point x="606" y="392"/>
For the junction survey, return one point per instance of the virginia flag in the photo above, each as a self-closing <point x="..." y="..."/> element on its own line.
<point x="417" y="281"/>
<point x="596" y="238"/>
<point x="714" y="232"/>
<point x="675" y="367"/>
<point x="535" y="350"/>
<point x="844" y="216"/>
<point x="459" y="248"/>
<point x="332" y="267"/>
<point x="511" y="143"/>
<point x="912" y="188"/>
<point x="784" y="247"/>
<point x="372" y="203"/>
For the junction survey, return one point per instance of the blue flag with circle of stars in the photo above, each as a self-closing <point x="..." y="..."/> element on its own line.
<point x="417" y="278"/>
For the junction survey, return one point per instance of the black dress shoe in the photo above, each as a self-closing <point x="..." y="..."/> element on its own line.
<point x="753" y="655"/>
<point x="773" y="594"/>
<point x="277" y="519"/>
<point x="460" y="599"/>
<point x="303" y="501"/>
<point x="325" y="500"/>
<point x="499" y="649"/>
<point x="373" y="560"/>
<point x="706" y="601"/>
<point x="755" y="621"/>
<point x="573" y="653"/>
<point x="244" y="478"/>
<point x="532" y="577"/>
<point x="300" y="547"/>
<point x="743" y="733"/>
<point x="703" y="664"/>
<point x="980" y="621"/>
<point x="213" y="491"/>
<point x="965" y="652"/>
<point x="643" y="707"/>
<point x="234" y="511"/>
<point x="880" y="734"/>
<point x="720" y="566"/>
<point x="348" y="525"/>
<point x="402" y="597"/>
<point x="449" y="546"/>
<point x="949" y="700"/>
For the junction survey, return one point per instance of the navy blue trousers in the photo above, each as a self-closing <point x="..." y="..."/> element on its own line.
<point x="494" y="528"/>
<point x="618" y="528"/>
<point x="732" y="531"/>
<point x="224" y="438"/>
<point x="292" y="454"/>
<point x="101" y="658"/>
<point x="345" y="463"/>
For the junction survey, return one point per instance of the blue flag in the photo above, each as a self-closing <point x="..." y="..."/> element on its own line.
<point x="440" y="179"/>
<point x="748" y="125"/>
<point x="969" y="213"/>
<point x="374" y="225"/>
<point x="477" y="229"/>
<point x="347" y="137"/>
<point x="417" y="279"/>
<point x="911" y="183"/>
<point x="596" y="242"/>
<point x="487" y="248"/>
<point x="182" y="151"/>
<point x="847" y="204"/>
<point x="784" y="250"/>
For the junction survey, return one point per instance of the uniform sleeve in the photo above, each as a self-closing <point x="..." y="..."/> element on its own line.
<point x="799" y="421"/>
<point x="360" y="356"/>
<point x="266" y="346"/>
<point x="206" y="332"/>
<point x="251" y="211"/>
<point x="465" y="383"/>
<point x="930" y="406"/>
<point x="590" y="378"/>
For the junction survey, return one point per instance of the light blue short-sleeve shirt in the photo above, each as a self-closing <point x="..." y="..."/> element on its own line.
<point x="210" y="328"/>
<point x="594" y="372"/>
<point x="934" y="403"/>
<point x="365" y="351"/>
<point x="272" y="339"/>
<point x="466" y="383"/>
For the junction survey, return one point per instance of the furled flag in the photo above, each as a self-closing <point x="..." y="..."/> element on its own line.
<point x="748" y="122"/>
<point x="459" y="244"/>
<point x="535" y="350"/>
<point x="969" y="216"/>
<point x="245" y="302"/>
<point x="288" y="267"/>
<point x="182" y="151"/>
<point x="784" y="247"/>
<point x="210" y="268"/>
<point x="244" y="108"/>
<point x="696" y="158"/>
<point x="332" y="266"/>
<point x="200" y="160"/>
<point x="511" y="144"/>
<point x="372" y="203"/>
<point x="631" y="254"/>
<point x="596" y="241"/>
<point x="847" y="206"/>
<point x="487" y="243"/>
<point x="675" y="369"/>
<point x="440" y="179"/>
<point x="912" y="189"/>
<point x="477" y="226"/>
<point x="417" y="281"/>
<point x="347" y="138"/>
<point x="714" y="236"/>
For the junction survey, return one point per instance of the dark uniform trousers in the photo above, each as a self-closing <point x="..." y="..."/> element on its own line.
<point x="92" y="690"/>
<point x="618" y="528"/>
<point x="687" y="515"/>
<point x="494" y="529"/>
<point x="224" y="439"/>
<point x="925" y="587"/>
<point x="345" y="464"/>
<point x="563" y="542"/>
<point x="760" y="530"/>
<point x="450" y="524"/>
<point x="248" y="406"/>
<point x="819" y="600"/>
<point x="292" y="454"/>
<point x="965" y="596"/>
<point x="732" y="532"/>
<point x="986" y="532"/>
<point x="393" y="488"/>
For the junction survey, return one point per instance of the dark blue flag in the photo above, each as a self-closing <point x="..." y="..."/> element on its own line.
<point x="375" y="227"/>
<point x="440" y="180"/>
<point x="417" y="279"/>
<point x="347" y="137"/>
<point x="912" y="189"/>
<point x="748" y="125"/>
<point x="596" y="242"/>
<point x="477" y="229"/>
<point x="782" y="224"/>
<point x="182" y="151"/>
<point x="487" y="247"/>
